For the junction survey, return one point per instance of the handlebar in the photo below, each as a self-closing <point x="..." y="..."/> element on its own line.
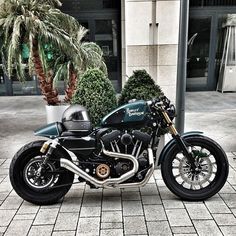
<point x="159" y="102"/>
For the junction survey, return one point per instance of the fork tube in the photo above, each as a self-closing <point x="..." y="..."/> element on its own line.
<point x="179" y="139"/>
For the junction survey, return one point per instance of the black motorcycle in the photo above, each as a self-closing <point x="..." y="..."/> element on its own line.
<point x="119" y="154"/>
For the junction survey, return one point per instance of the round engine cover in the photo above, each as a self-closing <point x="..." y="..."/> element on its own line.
<point x="126" y="139"/>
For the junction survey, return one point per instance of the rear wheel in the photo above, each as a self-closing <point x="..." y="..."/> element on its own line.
<point x="203" y="182"/>
<point x="34" y="182"/>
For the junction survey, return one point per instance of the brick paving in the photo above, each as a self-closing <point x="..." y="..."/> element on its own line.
<point x="151" y="210"/>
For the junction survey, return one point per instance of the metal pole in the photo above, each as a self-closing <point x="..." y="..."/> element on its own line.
<point x="182" y="65"/>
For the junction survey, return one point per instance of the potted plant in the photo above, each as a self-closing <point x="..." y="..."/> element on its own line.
<point x="95" y="92"/>
<point x="37" y="23"/>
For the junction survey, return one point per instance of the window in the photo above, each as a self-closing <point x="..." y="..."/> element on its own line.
<point x="203" y="3"/>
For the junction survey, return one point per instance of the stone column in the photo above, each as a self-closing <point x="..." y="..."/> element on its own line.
<point x="150" y="40"/>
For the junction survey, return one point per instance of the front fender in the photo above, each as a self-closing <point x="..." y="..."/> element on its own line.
<point x="173" y="142"/>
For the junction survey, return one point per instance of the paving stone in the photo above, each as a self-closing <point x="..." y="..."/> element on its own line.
<point x="135" y="225"/>
<point x="111" y="192"/>
<point x="11" y="203"/>
<point x="64" y="233"/>
<point x="185" y="235"/>
<point x="66" y="221"/>
<point x="111" y="204"/>
<point x="111" y="232"/>
<point x="217" y="206"/>
<point x="28" y="208"/>
<point x="25" y="217"/>
<point x="6" y="216"/>
<point x="46" y="216"/>
<point x="129" y="196"/>
<point x="75" y="193"/>
<point x="111" y="216"/>
<point x="44" y="230"/>
<point x="5" y="187"/>
<point x="90" y="211"/>
<point x="228" y="230"/>
<point x="159" y="228"/>
<point x="53" y="206"/>
<point x="227" y="188"/>
<point x="183" y="230"/>
<point x="225" y="219"/>
<point x="230" y="199"/>
<point x="88" y="227"/>
<point x="2" y="161"/>
<point x="151" y="200"/>
<point x="132" y="208"/>
<point x="157" y="174"/>
<point x="149" y="189"/>
<point x="92" y="200"/>
<point x="3" y="229"/>
<point x="151" y="180"/>
<point x="112" y="225"/>
<point x="4" y="171"/>
<point x="166" y="194"/>
<point x="134" y="189"/>
<point x="198" y="211"/>
<point x="206" y="227"/>
<point x="154" y="213"/>
<point x="3" y="195"/>
<point x="178" y="217"/>
<point x="234" y="212"/>
<point x="18" y="227"/>
<point x="172" y="204"/>
<point x="160" y="183"/>
<point x="71" y="205"/>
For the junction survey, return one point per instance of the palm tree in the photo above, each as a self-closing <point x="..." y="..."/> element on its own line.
<point x="88" y="56"/>
<point x="36" y="22"/>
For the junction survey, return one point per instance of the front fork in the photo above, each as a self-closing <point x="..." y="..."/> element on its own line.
<point x="179" y="140"/>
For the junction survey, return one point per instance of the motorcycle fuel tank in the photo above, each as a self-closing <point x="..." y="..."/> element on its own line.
<point x="130" y="114"/>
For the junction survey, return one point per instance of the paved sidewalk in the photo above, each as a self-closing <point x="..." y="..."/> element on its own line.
<point x="151" y="210"/>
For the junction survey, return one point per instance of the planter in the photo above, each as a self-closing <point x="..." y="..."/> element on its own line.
<point x="54" y="113"/>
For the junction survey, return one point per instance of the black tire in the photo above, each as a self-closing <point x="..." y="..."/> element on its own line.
<point x="19" y="184"/>
<point x="216" y="180"/>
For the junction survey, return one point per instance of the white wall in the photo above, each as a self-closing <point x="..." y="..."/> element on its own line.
<point x="150" y="40"/>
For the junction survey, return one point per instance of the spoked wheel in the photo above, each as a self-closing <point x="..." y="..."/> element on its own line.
<point x="37" y="183"/>
<point x="206" y="179"/>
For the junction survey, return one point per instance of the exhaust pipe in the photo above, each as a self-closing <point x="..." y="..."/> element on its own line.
<point x="108" y="182"/>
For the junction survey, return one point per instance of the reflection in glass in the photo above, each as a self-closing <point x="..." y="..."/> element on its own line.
<point x="198" y="52"/>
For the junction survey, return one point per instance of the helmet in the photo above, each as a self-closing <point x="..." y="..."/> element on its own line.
<point x="75" y="118"/>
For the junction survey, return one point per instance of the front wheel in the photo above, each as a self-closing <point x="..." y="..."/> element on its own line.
<point x="39" y="187"/>
<point x="206" y="179"/>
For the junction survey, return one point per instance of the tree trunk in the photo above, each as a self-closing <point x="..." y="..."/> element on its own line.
<point x="72" y="84"/>
<point x="45" y="81"/>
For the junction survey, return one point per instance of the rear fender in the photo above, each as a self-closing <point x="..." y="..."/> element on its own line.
<point x="52" y="130"/>
<point x="173" y="142"/>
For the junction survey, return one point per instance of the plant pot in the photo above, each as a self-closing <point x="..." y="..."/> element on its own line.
<point x="54" y="113"/>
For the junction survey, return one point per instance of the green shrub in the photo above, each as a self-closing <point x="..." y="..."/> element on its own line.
<point x="96" y="93"/>
<point x="139" y="86"/>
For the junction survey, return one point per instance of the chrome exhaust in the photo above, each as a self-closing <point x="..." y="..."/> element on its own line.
<point x="108" y="183"/>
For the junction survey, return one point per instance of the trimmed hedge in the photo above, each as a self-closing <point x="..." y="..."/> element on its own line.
<point x="139" y="86"/>
<point x="96" y="93"/>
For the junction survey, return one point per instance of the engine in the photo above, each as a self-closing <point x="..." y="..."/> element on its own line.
<point x="134" y="143"/>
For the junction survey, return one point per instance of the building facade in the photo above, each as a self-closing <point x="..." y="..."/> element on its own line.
<point x="143" y="34"/>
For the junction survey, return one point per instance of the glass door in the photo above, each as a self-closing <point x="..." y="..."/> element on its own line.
<point x="199" y="39"/>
